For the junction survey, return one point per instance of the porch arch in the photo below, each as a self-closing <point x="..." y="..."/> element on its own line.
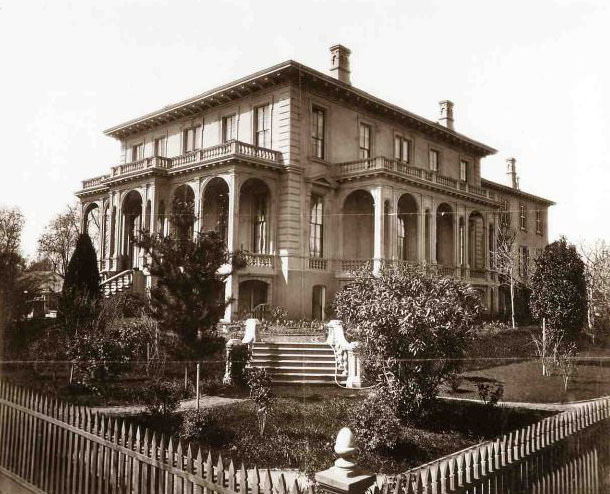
<point x="254" y="216"/>
<point x="407" y="228"/>
<point x="132" y="225"/>
<point x="445" y="249"/>
<point x="358" y="225"/>
<point x="215" y="208"/>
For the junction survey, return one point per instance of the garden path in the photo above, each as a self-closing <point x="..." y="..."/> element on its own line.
<point x="204" y="402"/>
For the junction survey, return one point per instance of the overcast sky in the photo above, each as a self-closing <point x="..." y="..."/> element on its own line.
<point x="529" y="78"/>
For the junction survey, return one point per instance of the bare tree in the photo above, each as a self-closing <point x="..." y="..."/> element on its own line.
<point x="507" y="259"/>
<point x="597" y="275"/>
<point x="58" y="240"/>
<point x="11" y="224"/>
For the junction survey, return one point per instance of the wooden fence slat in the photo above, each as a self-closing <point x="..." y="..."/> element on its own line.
<point x="199" y="470"/>
<point x="256" y="481"/>
<point x="267" y="483"/>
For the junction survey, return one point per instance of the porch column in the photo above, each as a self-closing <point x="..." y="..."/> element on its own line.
<point x="393" y="222"/>
<point x="466" y="243"/>
<point x="378" y="242"/>
<point x="456" y="241"/>
<point x="232" y="283"/>
<point x="197" y="209"/>
<point x="421" y="232"/>
<point x="433" y="232"/>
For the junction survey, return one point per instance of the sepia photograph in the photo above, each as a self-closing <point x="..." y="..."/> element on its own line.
<point x="304" y="247"/>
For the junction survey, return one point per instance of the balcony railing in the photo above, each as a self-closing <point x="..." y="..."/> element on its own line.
<point x="94" y="182"/>
<point x="259" y="260"/>
<point x="228" y="149"/>
<point x="318" y="263"/>
<point x="400" y="167"/>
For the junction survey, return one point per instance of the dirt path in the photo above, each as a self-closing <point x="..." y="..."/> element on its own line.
<point x="204" y="402"/>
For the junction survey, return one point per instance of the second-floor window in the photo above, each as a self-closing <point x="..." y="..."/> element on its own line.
<point x="504" y="213"/>
<point x="317" y="132"/>
<point x="316" y="227"/>
<point x="522" y="217"/>
<point x="229" y="128"/>
<point x="538" y="221"/>
<point x="402" y="149"/>
<point x="161" y="146"/>
<point x="365" y="141"/>
<point x="137" y="151"/>
<point x="262" y="126"/>
<point x="433" y="159"/>
<point x="463" y="170"/>
<point x="191" y="139"/>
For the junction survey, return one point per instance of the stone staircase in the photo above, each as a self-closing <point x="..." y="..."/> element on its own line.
<point x="117" y="283"/>
<point x="296" y="362"/>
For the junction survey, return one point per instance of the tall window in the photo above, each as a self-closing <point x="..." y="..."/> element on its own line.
<point x="137" y="151"/>
<point x="365" y="141"/>
<point x="262" y="129"/>
<point x="505" y="213"/>
<point x="522" y="217"/>
<point x="538" y="221"/>
<point x="191" y="139"/>
<point x="316" y="227"/>
<point x="434" y="159"/>
<point x="317" y="132"/>
<point x="229" y="128"/>
<point x="523" y="261"/>
<point x="161" y="146"/>
<point x="318" y="303"/>
<point x="403" y="253"/>
<point x="463" y="170"/>
<point x="259" y="240"/>
<point x="402" y="149"/>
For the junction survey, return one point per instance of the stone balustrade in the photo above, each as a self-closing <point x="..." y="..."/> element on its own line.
<point x="259" y="260"/>
<point x="226" y="150"/>
<point x="380" y="163"/>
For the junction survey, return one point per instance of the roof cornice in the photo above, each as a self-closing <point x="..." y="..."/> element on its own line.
<point x="509" y="190"/>
<point x="259" y="81"/>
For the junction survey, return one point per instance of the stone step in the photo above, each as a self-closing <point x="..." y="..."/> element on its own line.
<point x="297" y="363"/>
<point x="301" y="370"/>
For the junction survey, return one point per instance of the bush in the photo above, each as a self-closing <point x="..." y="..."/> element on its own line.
<point x="162" y="397"/>
<point x="454" y="381"/>
<point x="375" y="424"/>
<point x="238" y="355"/>
<point x="489" y="395"/>
<point x="259" y="383"/>
<point x="413" y="330"/>
<point x="194" y="424"/>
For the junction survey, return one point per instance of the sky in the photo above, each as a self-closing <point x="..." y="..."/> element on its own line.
<point x="526" y="77"/>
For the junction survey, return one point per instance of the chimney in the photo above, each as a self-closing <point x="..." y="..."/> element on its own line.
<point x="446" y="118"/>
<point x="339" y="63"/>
<point x="511" y="171"/>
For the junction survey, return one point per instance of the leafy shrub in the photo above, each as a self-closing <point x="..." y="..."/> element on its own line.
<point x="454" y="381"/>
<point x="238" y="355"/>
<point x="211" y="386"/>
<point x="261" y="394"/>
<point x="194" y="424"/>
<point x="374" y="422"/>
<point x="162" y="397"/>
<point x="490" y="395"/>
<point x="413" y="329"/>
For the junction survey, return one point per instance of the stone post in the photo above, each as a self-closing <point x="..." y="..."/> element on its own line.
<point x="354" y="379"/>
<point x="345" y="477"/>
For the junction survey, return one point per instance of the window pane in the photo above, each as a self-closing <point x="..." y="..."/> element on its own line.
<point x="405" y="150"/>
<point x="397" y="148"/>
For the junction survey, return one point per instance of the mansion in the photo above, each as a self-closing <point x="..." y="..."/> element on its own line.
<point x="312" y="178"/>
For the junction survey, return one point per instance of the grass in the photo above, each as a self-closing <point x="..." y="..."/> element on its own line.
<point x="302" y="430"/>
<point x="524" y="382"/>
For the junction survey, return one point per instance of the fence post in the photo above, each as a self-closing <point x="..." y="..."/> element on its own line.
<point x="345" y="477"/>
<point x="197" y="387"/>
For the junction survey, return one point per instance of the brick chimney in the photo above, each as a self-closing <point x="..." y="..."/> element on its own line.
<point x="446" y="117"/>
<point x="339" y="63"/>
<point x="511" y="171"/>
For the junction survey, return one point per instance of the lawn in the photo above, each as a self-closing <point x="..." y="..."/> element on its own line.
<point x="523" y="381"/>
<point x="302" y="430"/>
